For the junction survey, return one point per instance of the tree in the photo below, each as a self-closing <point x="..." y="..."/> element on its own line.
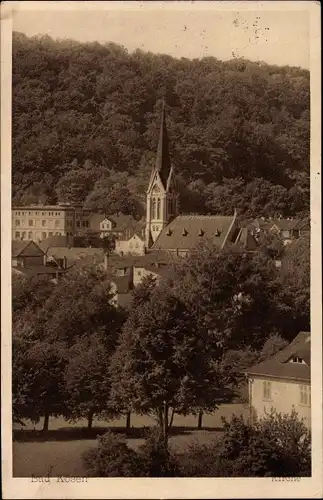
<point x="295" y="278"/>
<point x="163" y="362"/>
<point x="87" y="378"/>
<point x="235" y="296"/>
<point x="79" y="305"/>
<point x="38" y="380"/>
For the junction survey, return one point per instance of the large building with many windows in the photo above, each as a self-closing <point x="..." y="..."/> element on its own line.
<point x="37" y="222"/>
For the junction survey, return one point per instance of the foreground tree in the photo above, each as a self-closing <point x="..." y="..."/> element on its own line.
<point x="163" y="364"/>
<point x="38" y="380"/>
<point x="87" y="378"/>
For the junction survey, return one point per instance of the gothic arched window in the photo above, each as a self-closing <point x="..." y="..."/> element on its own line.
<point x="158" y="208"/>
<point x="153" y="208"/>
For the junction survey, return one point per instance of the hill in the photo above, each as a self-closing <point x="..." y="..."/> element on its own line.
<point x="85" y="121"/>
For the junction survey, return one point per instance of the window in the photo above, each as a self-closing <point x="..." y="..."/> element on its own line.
<point x="43" y="223"/>
<point x="85" y="223"/>
<point x="43" y="235"/>
<point x="305" y="395"/>
<point x="17" y="235"/>
<point x="17" y="222"/>
<point x="154" y="208"/>
<point x="50" y="233"/>
<point x="78" y="223"/>
<point x="158" y="208"/>
<point x="23" y="235"/>
<point x="56" y="223"/>
<point x="139" y="272"/>
<point x="30" y="235"/>
<point x="30" y="222"/>
<point x="267" y="389"/>
<point x="58" y="234"/>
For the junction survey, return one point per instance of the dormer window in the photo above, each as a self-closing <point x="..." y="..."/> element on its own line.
<point x="201" y="232"/>
<point x="184" y="232"/>
<point x="169" y="232"/>
<point x="217" y="232"/>
<point x="297" y="359"/>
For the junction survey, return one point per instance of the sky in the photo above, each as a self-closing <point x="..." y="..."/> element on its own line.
<point x="182" y="29"/>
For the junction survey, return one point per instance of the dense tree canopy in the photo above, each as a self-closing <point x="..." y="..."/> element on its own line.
<point x="83" y="113"/>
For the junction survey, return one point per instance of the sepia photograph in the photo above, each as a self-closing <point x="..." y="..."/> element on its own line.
<point x="163" y="213"/>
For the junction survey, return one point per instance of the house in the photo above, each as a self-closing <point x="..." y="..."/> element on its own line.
<point x="288" y="229"/>
<point x="133" y="245"/>
<point x="154" y="264"/>
<point x="121" y="288"/>
<point x="283" y="382"/>
<point x="27" y="254"/>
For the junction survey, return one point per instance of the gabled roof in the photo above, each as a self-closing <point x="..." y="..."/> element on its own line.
<point x="25" y="248"/>
<point x="279" y="366"/>
<point x="122" y="222"/>
<point x="154" y="257"/>
<point x="245" y="240"/>
<point x="185" y="231"/>
<point x="56" y="241"/>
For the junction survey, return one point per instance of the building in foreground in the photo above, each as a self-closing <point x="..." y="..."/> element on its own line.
<point x="283" y="382"/>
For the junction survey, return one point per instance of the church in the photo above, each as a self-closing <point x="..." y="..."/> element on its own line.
<point x="168" y="231"/>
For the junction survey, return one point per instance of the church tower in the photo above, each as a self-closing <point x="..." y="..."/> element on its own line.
<point x="162" y="195"/>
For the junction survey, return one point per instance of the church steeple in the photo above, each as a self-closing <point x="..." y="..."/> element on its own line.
<point x="162" y="158"/>
<point x="162" y="193"/>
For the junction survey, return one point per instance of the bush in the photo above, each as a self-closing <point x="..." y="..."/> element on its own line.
<point x="112" y="458"/>
<point x="157" y="459"/>
<point x="277" y="445"/>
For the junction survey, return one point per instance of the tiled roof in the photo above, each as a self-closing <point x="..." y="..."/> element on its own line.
<point x="56" y="241"/>
<point x="278" y="366"/>
<point x="26" y="247"/>
<point x="154" y="257"/>
<point x="75" y="252"/>
<point x="17" y="247"/>
<point x="119" y="261"/>
<point x="185" y="231"/>
<point x="37" y="270"/>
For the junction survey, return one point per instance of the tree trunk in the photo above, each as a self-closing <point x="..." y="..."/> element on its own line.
<point x="199" y="421"/>
<point x="128" y="420"/>
<point x="165" y="433"/>
<point x="171" y="418"/>
<point x="160" y="420"/>
<point x="46" y="422"/>
<point x="90" y="419"/>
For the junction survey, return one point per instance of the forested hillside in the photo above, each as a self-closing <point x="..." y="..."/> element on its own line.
<point x="85" y="121"/>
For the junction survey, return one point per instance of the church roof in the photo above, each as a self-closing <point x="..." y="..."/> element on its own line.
<point x="163" y="165"/>
<point x="185" y="231"/>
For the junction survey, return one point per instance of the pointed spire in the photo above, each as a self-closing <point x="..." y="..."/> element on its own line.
<point x="162" y="159"/>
